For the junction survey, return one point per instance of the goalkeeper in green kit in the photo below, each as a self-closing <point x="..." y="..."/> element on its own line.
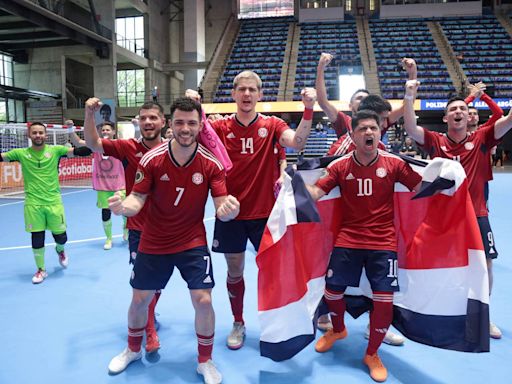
<point x="43" y="203"/>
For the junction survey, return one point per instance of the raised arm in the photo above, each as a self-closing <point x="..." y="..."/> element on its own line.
<point x="297" y="139"/>
<point x="412" y="74"/>
<point x="328" y="108"/>
<point x="503" y="125"/>
<point x="127" y="207"/>
<point x="415" y="132"/>
<point x="92" y="139"/>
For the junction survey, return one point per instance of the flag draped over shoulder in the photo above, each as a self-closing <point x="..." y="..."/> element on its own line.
<point x="443" y="299"/>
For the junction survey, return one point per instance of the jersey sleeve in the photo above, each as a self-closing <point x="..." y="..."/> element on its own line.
<point x="218" y="182"/>
<point x="407" y="176"/>
<point x="487" y="131"/>
<point x="496" y="111"/>
<point x="342" y="124"/>
<point x="281" y="153"/>
<point x="329" y="181"/>
<point x="61" y="150"/>
<point x="113" y="148"/>
<point x="280" y="127"/>
<point x="429" y="141"/>
<point x="13" y="154"/>
<point x="143" y="179"/>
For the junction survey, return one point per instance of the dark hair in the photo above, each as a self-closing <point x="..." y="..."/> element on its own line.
<point x="186" y="104"/>
<point x="364" y="114"/>
<point x="359" y="90"/>
<point x="109" y="123"/>
<point x="152" y="105"/>
<point x="36" y="123"/>
<point x="452" y="100"/>
<point x="105" y="107"/>
<point x="375" y="103"/>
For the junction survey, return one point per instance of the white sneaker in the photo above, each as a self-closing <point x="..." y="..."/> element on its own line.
<point x="494" y="331"/>
<point x="63" y="259"/>
<point x="237" y="336"/>
<point x="209" y="372"/>
<point x="39" y="276"/>
<point x="391" y="338"/>
<point x="108" y="245"/>
<point x="119" y="363"/>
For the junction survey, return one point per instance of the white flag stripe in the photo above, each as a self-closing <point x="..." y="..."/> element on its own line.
<point x="294" y="319"/>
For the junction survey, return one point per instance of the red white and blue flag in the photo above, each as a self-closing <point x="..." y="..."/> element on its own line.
<point x="443" y="299"/>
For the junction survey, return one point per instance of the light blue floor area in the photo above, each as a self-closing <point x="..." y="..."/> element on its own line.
<point x="67" y="329"/>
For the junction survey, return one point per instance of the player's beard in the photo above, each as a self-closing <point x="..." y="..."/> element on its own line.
<point x="39" y="142"/>
<point x="152" y="135"/>
<point x="186" y="141"/>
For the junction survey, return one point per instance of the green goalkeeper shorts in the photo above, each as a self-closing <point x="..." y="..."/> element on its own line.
<point x="45" y="217"/>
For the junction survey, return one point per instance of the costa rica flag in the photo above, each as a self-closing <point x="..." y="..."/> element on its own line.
<point x="443" y="299"/>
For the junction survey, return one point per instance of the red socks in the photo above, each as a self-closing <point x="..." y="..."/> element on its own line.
<point x="150" y="326"/>
<point x="204" y="347"/>
<point x="135" y="338"/>
<point x="380" y="319"/>
<point x="236" y="290"/>
<point x="336" y="304"/>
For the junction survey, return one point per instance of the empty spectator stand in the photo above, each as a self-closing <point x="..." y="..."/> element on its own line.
<point x="259" y="47"/>
<point x="338" y="39"/>
<point x="394" y="39"/>
<point x="485" y="51"/>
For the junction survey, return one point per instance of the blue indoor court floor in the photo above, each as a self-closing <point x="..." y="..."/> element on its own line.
<point x="67" y="329"/>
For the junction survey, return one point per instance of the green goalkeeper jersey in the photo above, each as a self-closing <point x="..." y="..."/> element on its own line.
<point x="40" y="173"/>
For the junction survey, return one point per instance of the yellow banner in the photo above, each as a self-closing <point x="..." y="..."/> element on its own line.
<point x="289" y="106"/>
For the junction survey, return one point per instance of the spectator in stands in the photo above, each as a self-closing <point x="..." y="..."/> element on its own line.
<point x="319" y="127"/>
<point x="167" y="133"/>
<point x="409" y="147"/>
<point x="395" y="145"/>
<point x="339" y="119"/>
<point x="497" y="156"/>
<point x="472" y="150"/>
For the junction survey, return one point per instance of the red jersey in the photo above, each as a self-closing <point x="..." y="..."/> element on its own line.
<point x="345" y="145"/>
<point x="343" y="124"/>
<point x="367" y="192"/>
<point x="129" y="151"/>
<point x="251" y="149"/>
<point x="473" y="153"/>
<point x="175" y="217"/>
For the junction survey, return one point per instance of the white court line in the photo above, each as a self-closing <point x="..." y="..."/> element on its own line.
<point x="76" y="241"/>
<point x="62" y="194"/>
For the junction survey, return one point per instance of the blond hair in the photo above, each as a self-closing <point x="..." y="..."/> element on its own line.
<point x="249" y="75"/>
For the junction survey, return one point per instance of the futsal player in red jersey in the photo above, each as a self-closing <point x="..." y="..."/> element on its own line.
<point x="249" y="138"/>
<point x="472" y="150"/>
<point x="130" y="151"/>
<point x="339" y="119"/>
<point x="374" y="103"/>
<point x="178" y="175"/>
<point x="367" y="236"/>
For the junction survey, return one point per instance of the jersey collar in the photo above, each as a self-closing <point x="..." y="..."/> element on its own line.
<point x="361" y="164"/>
<point x="251" y="123"/>
<point x="171" y="156"/>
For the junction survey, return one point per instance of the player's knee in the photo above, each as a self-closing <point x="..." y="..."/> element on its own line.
<point x="106" y="214"/>
<point x="141" y="299"/>
<point x="202" y="300"/>
<point x="61" y="238"/>
<point x="38" y="240"/>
